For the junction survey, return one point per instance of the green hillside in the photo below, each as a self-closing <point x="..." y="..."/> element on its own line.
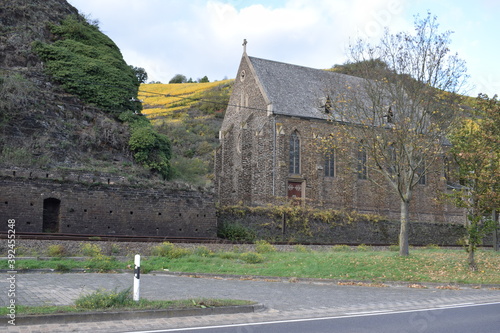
<point x="190" y="114"/>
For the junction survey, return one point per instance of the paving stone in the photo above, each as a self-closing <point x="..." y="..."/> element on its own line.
<point x="284" y="300"/>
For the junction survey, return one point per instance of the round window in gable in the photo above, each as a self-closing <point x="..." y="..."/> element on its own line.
<point x="242" y="75"/>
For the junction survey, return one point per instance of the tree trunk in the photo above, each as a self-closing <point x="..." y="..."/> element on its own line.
<point x="472" y="259"/>
<point x="495" y="230"/>
<point x="403" y="234"/>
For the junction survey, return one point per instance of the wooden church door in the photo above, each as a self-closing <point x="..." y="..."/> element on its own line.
<point x="294" y="190"/>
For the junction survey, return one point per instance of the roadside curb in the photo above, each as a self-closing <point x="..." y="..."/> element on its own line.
<point x="83" y="317"/>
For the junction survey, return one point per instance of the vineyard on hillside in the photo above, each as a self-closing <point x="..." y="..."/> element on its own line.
<point x="190" y="114"/>
<point x="161" y="101"/>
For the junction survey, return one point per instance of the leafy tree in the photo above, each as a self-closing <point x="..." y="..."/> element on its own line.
<point x="178" y="78"/>
<point x="204" y="79"/>
<point x="401" y="109"/>
<point x="140" y="74"/>
<point x="476" y="151"/>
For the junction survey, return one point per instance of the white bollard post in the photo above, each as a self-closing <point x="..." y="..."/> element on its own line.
<point x="137" y="276"/>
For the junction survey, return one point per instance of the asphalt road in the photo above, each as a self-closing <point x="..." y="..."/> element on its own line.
<point x="479" y="318"/>
<point x="289" y="302"/>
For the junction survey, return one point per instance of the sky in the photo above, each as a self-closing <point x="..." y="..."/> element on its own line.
<point x="204" y="37"/>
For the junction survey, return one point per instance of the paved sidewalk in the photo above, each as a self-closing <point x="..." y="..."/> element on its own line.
<point x="282" y="299"/>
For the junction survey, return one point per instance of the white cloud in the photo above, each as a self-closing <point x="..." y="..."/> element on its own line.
<point x="204" y="37"/>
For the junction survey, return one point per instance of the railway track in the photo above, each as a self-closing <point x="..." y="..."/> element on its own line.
<point x="114" y="238"/>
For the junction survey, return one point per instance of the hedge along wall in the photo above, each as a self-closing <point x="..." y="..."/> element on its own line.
<point x="53" y="205"/>
<point x="296" y="224"/>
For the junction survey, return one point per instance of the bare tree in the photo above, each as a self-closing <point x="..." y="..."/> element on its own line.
<point x="398" y="113"/>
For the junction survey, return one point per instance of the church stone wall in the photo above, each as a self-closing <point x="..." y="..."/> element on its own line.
<point x="252" y="164"/>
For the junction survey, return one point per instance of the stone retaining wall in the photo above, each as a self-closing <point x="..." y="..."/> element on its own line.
<point x="55" y="205"/>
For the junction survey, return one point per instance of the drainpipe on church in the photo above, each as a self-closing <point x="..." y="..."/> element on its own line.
<point x="274" y="152"/>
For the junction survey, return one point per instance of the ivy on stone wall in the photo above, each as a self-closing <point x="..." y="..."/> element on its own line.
<point x="296" y="221"/>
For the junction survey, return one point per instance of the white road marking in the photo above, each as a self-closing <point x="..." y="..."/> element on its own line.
<point x="346" y="315"/>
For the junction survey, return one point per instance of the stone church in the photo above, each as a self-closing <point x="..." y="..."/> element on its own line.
<point x="268" y="151"/>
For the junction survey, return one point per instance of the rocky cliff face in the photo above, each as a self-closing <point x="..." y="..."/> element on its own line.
<point x="42" y="126"/>
<point x="24" y="21"/>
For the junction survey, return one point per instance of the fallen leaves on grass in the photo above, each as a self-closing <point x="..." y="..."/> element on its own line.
<point x="417" y="286"/>
<point x="362" y="284"/>
<point x="448" y="287"/>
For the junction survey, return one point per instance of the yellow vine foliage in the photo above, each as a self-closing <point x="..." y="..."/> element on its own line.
<point x="164" y="99"/>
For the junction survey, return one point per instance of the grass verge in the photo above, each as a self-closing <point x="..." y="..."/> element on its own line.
<point x="103" y="300"/>
<point x="423" y="265"/>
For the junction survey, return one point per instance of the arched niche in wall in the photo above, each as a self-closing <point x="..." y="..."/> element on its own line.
<point x="51" y="215"/>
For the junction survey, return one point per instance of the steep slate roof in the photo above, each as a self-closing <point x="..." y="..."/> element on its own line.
<point x="300" y="91"/>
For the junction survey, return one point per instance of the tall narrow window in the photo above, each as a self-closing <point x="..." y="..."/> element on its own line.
<point x="294" y="153"/>
<point x="420" y="171"/>
<point x="362" y="159"/>
<point x="330" y="164"/>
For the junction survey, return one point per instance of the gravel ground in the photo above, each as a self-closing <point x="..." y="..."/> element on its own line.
<point x="35" y="248"/>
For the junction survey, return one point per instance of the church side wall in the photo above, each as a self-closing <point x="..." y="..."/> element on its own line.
<point x="345" y="190"/>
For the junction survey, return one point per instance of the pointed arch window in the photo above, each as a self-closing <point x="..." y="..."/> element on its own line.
<point x="330" y="164"/>
<point x="420" y="171"/>
<point x="362" y="163"/>
<point x="294" y="153"/>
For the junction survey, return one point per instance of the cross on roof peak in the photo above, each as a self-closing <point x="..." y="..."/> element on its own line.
<point x="245" y="46"/>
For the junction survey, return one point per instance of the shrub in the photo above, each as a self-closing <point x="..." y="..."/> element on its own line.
<point x="300" y="248"/>
<point x="251" y="257"/>
<point x="61" y="267"/>
<point x="203" y="251"/>
<point x="236" y="232"/>
<point x="91" y="250"/>
<point x="115" y="249"/>
<point x="262" y="246"/>
<point x="363" y="248"/>
<point x="102" y="299"/>
<point x="341" y="248"/>
<point x="56" y="250"/>
<point x="228" y="255"/>
<point x="394" y="248"/>
<point x="100" y="263"/>
<point x="169" y="250"/>
<point x="151" y="149"/>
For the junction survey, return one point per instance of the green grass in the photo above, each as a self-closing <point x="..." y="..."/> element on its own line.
<point x="143" y="304"/>
<point x="102" y="300"/>
<point x="426" y="265"/>
<point x="97" y="264"/>
<point x="423" y="265"/>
